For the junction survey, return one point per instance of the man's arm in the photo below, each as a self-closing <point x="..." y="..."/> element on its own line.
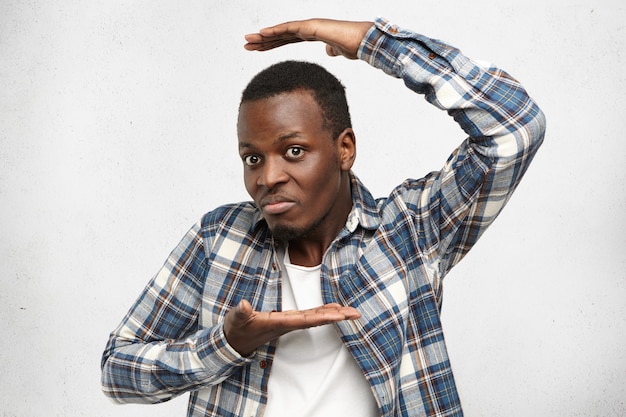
<point x="505" y="127"/>
<point x="157" y="352"/>
<point x="455" y="205"/>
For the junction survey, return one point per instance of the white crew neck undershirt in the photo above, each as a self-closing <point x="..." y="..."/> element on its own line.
<point x="312" y="373"/>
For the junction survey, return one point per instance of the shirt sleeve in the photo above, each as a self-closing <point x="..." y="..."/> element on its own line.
<point x="158" y="351"/>
<point x="454" y="206"/>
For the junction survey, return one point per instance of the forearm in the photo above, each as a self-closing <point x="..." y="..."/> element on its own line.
<point x="500" y="118"/>
<point x="136" y="371"/>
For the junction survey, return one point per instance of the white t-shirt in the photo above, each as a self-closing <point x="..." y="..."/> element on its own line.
<point x="313" y="374"/>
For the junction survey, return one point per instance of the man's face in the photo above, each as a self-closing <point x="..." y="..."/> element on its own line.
<point x="293" y="169"/>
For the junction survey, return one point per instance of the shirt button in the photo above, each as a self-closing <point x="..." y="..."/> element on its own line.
<point x="263" y="364"/>
<point x="431" y="55"/>
<point x="393" y="30"/>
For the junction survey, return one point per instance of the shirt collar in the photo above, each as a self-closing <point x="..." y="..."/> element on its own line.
<point x="364" y="209"/>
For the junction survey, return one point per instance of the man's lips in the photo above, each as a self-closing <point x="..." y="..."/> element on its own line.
<point x="276" y="205"/>
<point x="278" y="208"/>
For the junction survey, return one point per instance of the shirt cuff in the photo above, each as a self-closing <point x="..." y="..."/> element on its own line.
<point x="389" y="47"/>
<point x="382" y="45"/>
<point x="217" y="355"/>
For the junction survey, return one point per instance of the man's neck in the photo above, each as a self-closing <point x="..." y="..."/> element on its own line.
<point x="307" y="252"/>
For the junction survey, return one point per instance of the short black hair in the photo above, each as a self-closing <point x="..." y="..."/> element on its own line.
<point x="288" y="76"/>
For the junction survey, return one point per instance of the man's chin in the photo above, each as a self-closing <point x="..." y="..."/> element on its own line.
<point x="286" y="233"/>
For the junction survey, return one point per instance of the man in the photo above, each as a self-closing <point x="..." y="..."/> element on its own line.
<point x="315" y="299"/>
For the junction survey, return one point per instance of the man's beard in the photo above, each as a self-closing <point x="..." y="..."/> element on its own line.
<point x="286" y="233"/>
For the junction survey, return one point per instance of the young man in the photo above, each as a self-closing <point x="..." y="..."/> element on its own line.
<point x="315" y="299"/>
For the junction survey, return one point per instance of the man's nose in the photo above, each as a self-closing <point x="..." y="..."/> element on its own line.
<point x="273" y="173"/>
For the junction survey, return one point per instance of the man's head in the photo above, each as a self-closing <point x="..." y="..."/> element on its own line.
<point x="297" y="151"/>
<point x="288" y="76"/>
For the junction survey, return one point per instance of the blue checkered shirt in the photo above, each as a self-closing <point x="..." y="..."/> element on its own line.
<point x="388" y="261"/>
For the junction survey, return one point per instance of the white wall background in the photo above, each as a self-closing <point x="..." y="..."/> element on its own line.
<point x="117" y="132"/>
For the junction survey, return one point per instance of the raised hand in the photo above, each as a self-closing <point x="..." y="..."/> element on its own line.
<point x="246" y="329"/>
<point x="341" y="37"/>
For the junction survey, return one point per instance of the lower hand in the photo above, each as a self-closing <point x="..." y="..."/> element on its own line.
<point x="246" y="329"/>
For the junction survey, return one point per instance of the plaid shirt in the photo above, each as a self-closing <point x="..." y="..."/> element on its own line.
<point x="388" y="261"/>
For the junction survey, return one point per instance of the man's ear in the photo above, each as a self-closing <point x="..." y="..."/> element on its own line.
<point x="346" y="148"/>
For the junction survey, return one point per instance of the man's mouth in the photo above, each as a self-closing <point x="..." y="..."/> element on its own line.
<point x="276" y="205"/>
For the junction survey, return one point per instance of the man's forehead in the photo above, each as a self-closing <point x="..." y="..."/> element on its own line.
<point x="290" y="103"/>
<point x="295" y="94"/>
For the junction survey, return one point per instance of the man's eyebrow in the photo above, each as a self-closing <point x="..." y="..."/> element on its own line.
<point x="278" y="140"/>
<point x="287" y="136"/>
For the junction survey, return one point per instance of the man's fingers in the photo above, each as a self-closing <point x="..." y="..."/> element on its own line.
<point x="302" y="319"/>
<point x="288" y="32"/>
<point x="258" y="38"/>
<point x="349" y="313"/>
<point x="268" y="44"/>
<point x="283" y="31"/>
<point x="303" y="29"/>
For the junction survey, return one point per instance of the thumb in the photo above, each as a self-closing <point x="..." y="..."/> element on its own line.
<point x="243" y="310"/>
<point x="332" y="51"/>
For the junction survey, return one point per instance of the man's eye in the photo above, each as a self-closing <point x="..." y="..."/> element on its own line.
<point x="251" y="160"/>
<point x="295" y="152"/>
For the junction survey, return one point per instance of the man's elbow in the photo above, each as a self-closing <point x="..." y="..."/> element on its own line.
<point x="537" y="128"/>
<point x="119" y="387"/>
